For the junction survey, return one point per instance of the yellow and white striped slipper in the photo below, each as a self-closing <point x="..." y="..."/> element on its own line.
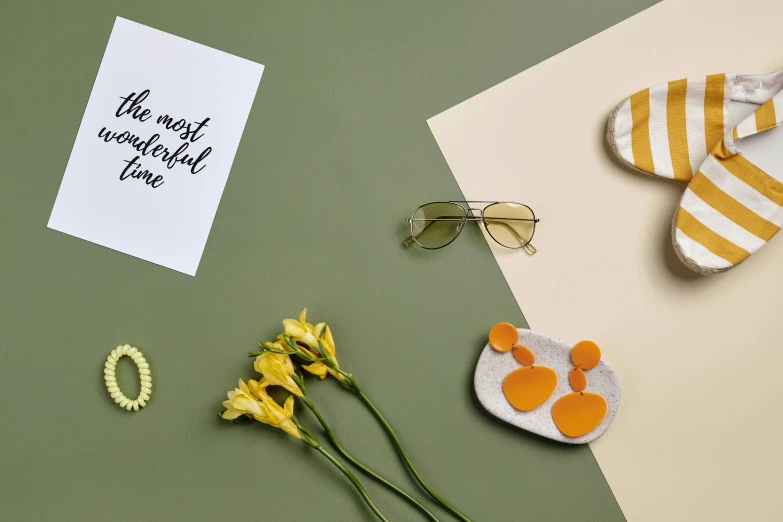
<point x="668" y="129"/>
<point x="734" y="203"/>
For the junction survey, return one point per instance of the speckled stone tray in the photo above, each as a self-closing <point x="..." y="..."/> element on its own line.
<point x="492" y="368"/>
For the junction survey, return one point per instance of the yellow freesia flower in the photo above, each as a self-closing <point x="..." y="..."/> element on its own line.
<point x="308" y="335"/>
<point x="277" y="369"/>
<point x="272" y="413"/>
<point x="302" y="331"/>
<point x="320" y="368"/>
<point x="241" y="401"/>
<point x="252" y="400"/>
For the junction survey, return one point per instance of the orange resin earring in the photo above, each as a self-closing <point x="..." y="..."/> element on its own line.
<point x="579" y="413"/>
<point x="528" y="387"/>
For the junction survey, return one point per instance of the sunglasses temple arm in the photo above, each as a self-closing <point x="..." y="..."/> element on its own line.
<point x="529" y="248"/>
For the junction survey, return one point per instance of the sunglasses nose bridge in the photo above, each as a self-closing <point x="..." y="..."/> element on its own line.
<point x="478" y="216"/>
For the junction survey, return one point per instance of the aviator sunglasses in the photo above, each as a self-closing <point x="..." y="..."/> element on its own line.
<point x="437" y="224"/>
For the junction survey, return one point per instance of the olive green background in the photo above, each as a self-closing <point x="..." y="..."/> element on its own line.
<point x="336" y="154"/>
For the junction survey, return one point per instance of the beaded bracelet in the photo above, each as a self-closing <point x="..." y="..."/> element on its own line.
<point x="144" y="377"/>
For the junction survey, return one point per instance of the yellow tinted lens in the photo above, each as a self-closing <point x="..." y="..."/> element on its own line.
<point x="510" y="224"/>
<point x="437" y="224"/>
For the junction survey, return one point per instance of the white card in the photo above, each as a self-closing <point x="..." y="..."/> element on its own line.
<point x="155" y="146"/>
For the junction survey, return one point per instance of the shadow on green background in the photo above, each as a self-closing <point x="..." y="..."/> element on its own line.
<point x="336" y="154"/>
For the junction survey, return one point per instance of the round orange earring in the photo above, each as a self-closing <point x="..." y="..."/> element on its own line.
<point x="580" y="412"/>
<point x="528" y="387"/>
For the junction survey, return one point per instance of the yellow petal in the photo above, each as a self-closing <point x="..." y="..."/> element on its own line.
<point x="288" y="365"/>
<point x="319" y="328"/>
<point x="317" y="368"/>
<point x="290" y="428"/>
<point x="231" y="414"/>
<point x="303" y="316"/>
<point x="294" y="329"/>
<point x="328" y="341"/>
<point x="289" y="406"/>
<point x="246" y="404"/>
<point x="243" y="387"/>
<point x="263" y="418"/>
<point x="273" y="413"/>
<point x="309" y="339"/>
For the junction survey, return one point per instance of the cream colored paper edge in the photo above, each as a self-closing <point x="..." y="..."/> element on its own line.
<point x="697" y="436"/>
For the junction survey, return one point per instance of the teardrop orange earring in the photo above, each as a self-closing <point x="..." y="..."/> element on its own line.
<point x="580" y="412"/>
<point x="528" y="387"/>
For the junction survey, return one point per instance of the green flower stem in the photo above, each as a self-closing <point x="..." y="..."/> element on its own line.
<point x="393" y="436"/>
<point x="354" y="480"/>
<point x="309" y="439"/>
<point x="356" y="462"/>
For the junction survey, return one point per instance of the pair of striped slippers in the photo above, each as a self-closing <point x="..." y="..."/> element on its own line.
<point x="720" y="134"/>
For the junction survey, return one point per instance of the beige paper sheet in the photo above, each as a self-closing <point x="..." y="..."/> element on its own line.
<point x="698" y="434"/>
